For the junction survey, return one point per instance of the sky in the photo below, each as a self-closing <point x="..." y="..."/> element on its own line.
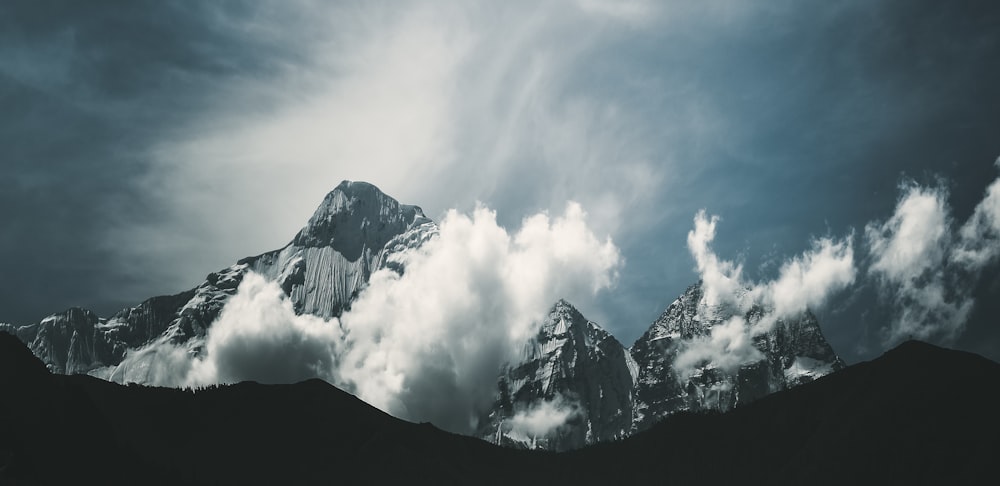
<point x="147" y="144"/>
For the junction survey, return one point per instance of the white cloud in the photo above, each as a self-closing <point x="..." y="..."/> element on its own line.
<point x="428" y="344"/>
<point x="542" y="418"/>
<point x="807" y="281"/>
<point x="727" y="347"/>
<point x="259" y="337"/>
<point x="909" y="259"/>
<point x="914" y="239"/>
<point x="721" y="279"/>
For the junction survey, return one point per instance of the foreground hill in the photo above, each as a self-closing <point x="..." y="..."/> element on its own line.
<point x="917" y="415"/>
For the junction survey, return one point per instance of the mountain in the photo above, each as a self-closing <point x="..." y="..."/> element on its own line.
<point x="906" y="417"/>
<point x="572" y="369"/>
<point x="578" y="373"/>
<point x="355" y="230"/>
<point x="573" y="383"/>
<point x="793" y="352"/>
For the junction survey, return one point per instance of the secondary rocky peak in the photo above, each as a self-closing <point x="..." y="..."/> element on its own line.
<point x="574" y="367"/>
<point x="355" y="216"/>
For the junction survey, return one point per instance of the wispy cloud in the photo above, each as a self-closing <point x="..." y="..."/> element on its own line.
<point x="925" y="267"/>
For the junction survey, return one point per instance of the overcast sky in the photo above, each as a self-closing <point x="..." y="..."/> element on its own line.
<point x="146" y="144"/>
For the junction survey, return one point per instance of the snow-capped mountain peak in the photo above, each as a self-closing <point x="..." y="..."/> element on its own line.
<point x="357" y="215"/>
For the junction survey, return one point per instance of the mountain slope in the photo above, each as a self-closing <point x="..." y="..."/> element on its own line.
<point x="898" y="419"/>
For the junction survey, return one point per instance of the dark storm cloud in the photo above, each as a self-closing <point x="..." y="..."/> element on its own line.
<point x="85" y="88"/>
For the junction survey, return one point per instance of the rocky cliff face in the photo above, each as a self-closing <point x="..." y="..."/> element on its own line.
<point x="794" y="351"/>
<point x="576" y="375"/>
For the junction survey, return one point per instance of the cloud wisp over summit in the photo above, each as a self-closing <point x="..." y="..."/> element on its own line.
<point x="923" y="266"/>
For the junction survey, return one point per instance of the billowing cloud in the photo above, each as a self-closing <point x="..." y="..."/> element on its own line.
<point x="425" y="345"/>
<point x="925" y="268"/>
<point x="259" y="337"/>
<point x="428" y="344"/>
<point x="542" y="418"/>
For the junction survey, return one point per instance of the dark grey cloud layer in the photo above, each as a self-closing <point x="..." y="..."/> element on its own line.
<point x="790" y="120"/>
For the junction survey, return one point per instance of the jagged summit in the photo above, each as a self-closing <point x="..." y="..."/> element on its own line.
<point x="356" y="215"/>
<point x="574" y="368"/>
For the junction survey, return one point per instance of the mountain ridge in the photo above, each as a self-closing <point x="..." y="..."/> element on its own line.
<point x="603" y="390"/>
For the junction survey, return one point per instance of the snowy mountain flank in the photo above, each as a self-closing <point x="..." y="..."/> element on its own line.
<point x="571" y="385"/>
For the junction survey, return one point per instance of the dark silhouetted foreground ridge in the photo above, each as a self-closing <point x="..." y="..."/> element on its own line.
<point x="917" y="415"/>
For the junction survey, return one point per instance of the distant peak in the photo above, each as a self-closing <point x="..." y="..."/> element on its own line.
<point x="357" y="215"/>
